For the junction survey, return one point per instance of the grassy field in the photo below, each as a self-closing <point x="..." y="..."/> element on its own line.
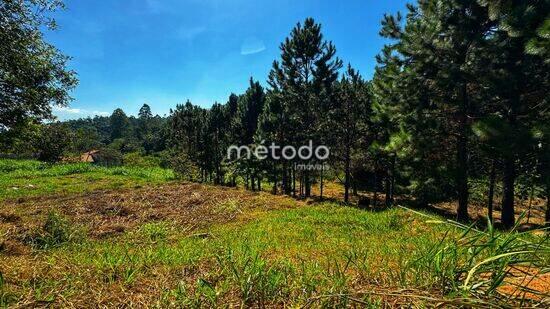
<point x="27" y="178"/>
<point x="93" y="236"/>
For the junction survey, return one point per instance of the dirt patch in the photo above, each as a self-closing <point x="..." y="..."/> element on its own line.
<point x="104" y="214"/>
<point x="531" y="217"/>
<point x="526" y="283"/>
<point x="533" y="211"/>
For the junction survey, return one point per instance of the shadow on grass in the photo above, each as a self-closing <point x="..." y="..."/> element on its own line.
<point x="479" y="223"/>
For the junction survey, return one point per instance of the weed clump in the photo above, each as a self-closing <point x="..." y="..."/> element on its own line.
<point x="55" y="232"/>
<point x="155" y="231"/>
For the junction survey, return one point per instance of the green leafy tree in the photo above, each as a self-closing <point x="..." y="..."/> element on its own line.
<point x="53" y="141"/>
<point x="33" y="73"/>
<point x="119" y="124"/>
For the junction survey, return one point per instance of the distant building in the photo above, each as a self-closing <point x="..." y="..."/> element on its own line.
<point x="90" y="156"/>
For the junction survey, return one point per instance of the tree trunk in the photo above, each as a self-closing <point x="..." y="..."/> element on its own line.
<point x="321" y="185"/>
<point x="307" y="184"/>
<point x="388" y="189"/>
<point x="531" y="196"/>
<point x="259" y="183"/>
<point x="375" y="197"/>
<point x="462" y="159"/>
<point x="547" y="217"/>
<point x="284" y="181"/>
<point x="509" y="174"/>
<point x="492" y="177"/>
<point x="293" y="181"/>
<point x="275" y="182"/>
<point x="508" y="179"/>
<point x="301" y="185"/>
<point x="389" y="182"/>
<point x="347" y="176"/>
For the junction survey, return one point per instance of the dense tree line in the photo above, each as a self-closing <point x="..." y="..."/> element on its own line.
<point x="459" y="96"/>
<point x="469" y="77"/>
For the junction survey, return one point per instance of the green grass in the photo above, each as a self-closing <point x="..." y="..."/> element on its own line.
<point x="27" y="178"/>
<point x="325" y="255"/>
<point x="320" y="255"/>
<point x="285" y="254"/>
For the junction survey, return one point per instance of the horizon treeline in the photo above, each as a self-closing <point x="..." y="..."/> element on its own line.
<point x="457" y="110"/>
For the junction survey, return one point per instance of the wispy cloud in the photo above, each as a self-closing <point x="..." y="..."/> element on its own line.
<point x="67" y="112"/>
<point x="251" y="46"/>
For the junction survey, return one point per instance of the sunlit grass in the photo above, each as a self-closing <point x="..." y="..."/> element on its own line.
<point x="290" y="256"/>
<point x="26" y="178"/>
<point x="294" y="254"/>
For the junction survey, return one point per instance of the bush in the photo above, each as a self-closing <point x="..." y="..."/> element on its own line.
<point x="165" y="158"/>
<point x="184" y="167"/>
<point x="136" y="159"/>
<point x="10" y="165"/>
<point x="108" y="157"/>
<point x="125" y="145"/>
<point x="53" y="141"/>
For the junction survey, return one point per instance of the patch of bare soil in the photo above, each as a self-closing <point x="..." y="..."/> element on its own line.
<point x="526" y="283"/>
<point x="104" y="214"/>
<point x="531" y="216"/>
<point x="109" y="213"/>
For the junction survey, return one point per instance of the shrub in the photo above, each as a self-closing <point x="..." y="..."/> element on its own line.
<point x="108" y="157"/>
<point x="137" y="159"/>
<point x="53" y="142"/>
<point x="184" y="167"/>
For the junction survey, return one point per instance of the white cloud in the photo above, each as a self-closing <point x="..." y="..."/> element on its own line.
<point x="64" y="113"/>
<point x="68" y="110"/>
<point x="251" y="46"/>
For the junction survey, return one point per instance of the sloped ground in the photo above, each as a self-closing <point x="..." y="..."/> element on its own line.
<point x="530" y="213"/>
<point x="191" y="245"/>
<point x="105" y="213"/>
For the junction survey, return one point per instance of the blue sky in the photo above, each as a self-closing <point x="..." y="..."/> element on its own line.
<point x="163" y="52"/>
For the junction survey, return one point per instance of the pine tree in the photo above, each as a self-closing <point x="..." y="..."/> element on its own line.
<point x="304" y="81"/>
<point x="245" y="124"/>
<point x="518" y="73"/>
<point x="349" y="120"/>
<point x="439" y="44"/>
<point x="216" y="127"/>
